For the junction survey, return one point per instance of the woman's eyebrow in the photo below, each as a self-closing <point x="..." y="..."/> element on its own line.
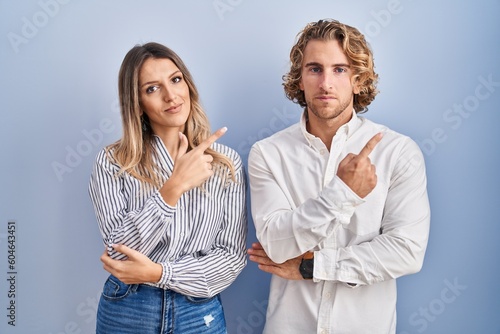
<point x="157" y="81"/>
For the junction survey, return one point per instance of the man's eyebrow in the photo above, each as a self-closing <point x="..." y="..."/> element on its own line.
<point x="341" y="65"/>
<point x="315" y="64"/>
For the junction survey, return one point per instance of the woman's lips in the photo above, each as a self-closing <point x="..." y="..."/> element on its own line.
<point x="174" y="109"/>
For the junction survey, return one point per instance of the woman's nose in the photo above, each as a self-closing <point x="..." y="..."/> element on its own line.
<point x="168" y="94"/>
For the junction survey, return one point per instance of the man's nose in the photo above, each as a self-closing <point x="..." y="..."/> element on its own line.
<point x="326" y="81"/>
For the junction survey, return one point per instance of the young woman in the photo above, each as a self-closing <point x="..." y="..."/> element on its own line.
<point x="170" y="203"/>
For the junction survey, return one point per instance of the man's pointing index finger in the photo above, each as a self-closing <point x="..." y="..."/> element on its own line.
<point x="370" y="145"/>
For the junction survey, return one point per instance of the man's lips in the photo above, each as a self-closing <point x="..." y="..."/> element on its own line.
<point x="325" y="97"/>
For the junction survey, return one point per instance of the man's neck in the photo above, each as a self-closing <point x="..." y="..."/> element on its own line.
<point x="326" y="129"/>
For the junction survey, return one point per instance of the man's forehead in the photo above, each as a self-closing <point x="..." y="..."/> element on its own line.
<point x="325" y="53"/>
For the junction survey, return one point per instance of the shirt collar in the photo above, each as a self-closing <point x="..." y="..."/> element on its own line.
<point x="349" y="128"/>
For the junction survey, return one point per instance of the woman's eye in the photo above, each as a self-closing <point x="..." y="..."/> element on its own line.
<point x="177" y="79"/>
<point x="151" y="89"/>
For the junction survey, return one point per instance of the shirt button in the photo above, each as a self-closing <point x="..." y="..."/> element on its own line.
<point x="323" y="331"/>
<point x="328" y="295"/>
<point x="323" y="151"/>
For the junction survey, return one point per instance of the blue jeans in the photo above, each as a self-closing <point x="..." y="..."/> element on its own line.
<point x="144" y="309"/>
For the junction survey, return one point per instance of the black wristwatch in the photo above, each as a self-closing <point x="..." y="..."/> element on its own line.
<point x="306" y="266"/>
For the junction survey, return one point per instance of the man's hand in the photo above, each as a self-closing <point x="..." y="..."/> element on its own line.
<point x="357" y="171"/>
<point x="137" y="269"/>
<point x="288" y="269"/>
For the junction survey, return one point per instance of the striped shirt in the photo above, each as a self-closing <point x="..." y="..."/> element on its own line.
<point x="200" y="242"/>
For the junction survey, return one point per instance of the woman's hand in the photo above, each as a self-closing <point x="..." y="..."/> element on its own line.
<point x="191" y="169"/>
<point x="136" y="269"/>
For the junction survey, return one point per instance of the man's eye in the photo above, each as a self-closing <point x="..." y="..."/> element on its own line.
<point x="339" y="70"/>
<point x="151" y="89"/>
<point x="315" y="69"/>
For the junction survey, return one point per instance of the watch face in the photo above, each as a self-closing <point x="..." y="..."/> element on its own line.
<point x="306" y="268"/>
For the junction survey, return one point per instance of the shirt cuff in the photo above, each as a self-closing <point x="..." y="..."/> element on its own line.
<point x="342" y="199"/>
<point x="325" y="262"/>
<point x="158" y="199"/>
<point x="166" y="275"/>
<point x="327" y="269"/>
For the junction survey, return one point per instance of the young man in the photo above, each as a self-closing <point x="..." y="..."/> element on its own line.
<point x="339" y="203"/>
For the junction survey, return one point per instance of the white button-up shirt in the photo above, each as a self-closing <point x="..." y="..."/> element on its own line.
<point x="360" y="246"/>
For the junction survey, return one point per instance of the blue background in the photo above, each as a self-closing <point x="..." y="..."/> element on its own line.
<point x="439" y="70"/>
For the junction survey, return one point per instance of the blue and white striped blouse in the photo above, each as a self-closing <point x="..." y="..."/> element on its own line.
<point x="200" y="243"/>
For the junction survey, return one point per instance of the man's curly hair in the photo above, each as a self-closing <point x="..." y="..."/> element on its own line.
<point x="356" y="49"/>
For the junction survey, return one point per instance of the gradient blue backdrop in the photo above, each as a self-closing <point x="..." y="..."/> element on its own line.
<point x="439" y="70"/>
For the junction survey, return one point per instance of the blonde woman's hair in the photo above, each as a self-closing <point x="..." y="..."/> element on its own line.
<point x="356" y="49"/>
<point x="134" y="152"/>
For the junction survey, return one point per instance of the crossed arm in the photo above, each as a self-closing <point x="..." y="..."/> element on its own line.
<point x="137" y="269"/>
<point x="288" y="269"/>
